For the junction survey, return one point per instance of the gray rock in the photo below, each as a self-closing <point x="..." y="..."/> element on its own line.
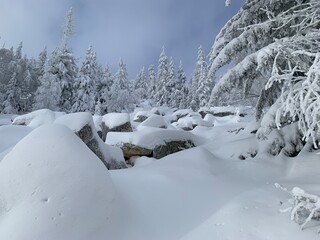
<point x="130" y="150"/>
<point x="163" y="150"/>
<point x="122" y="128"/>
<point x="140" y="118"/>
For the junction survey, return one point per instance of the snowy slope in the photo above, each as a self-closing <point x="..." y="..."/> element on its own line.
<point x="52" y="181"/>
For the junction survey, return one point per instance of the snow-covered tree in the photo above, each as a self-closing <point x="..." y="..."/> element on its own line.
<point x="85" y="85"/>
<point x="247" y="45"/>
<point x="121" y="98"/>
<point x="170" y="98"/>
<point x="60" y="73"/>
<point x="163" y="72"/>
<point x="104" y="90"/>
<point x="11" y="96"/>
<point x="181" y="89"/>
<point x="152" y="80"/>
<point x="140" y="85"/>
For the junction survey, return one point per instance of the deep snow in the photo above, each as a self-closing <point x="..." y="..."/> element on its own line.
<point x="53" y="187"/>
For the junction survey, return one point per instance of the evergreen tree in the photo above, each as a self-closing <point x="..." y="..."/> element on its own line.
<point x="11" y="95"/>
<point x="104" y="90"/>
<point x="163" y="72"/>
<point x="170" y="86"/>
<point x="204" y="88"/>
<point x="121" y="97"/>
<point x="85" y="86"/>
<point x="140" y="85"/>
<point x="181" y="90"/>
<point x="151" y="82"/>
<point x="62" y="72"/>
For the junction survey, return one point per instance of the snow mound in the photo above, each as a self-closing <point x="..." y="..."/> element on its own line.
<point x="37" y="118"/>
<point x="51" y="181"/>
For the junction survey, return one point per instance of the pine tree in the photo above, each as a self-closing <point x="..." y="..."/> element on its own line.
<point x="10" y="104"/>
<point x="170" y="86"/>
<point x="163" y="72"/>
<point x="85" y="86"/>
<point x="104" y="90"/>
<point x="181" y="90"/>
<point x="200" y="83"/>
<point x="60" y="73"/>
<point x="121" y="97"/>
<point x="248" y="44"/>
<point x="151" y="82"/>
<point x="140" y="85"/>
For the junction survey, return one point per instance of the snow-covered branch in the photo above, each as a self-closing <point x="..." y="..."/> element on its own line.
<point x="305" y="206"/>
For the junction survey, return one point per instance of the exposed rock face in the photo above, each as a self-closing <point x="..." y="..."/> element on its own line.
<point x="161" y="151"/>
<point x="130" y="150"/>
<point x="126" y="127"/>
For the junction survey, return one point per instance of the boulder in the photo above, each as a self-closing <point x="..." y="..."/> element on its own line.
<point x="163" y="150"/>
<point x="141" y="116"/>
<point x="153" y="142"/>
<point x="82" y="125"/>
<point x="115" y="122"/>
<point x="131" y="150"/>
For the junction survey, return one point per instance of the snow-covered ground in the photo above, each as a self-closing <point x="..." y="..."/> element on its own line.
<point x="53" y="187"/>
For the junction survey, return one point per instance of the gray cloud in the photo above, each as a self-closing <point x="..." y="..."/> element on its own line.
<point x="134" y="30"/>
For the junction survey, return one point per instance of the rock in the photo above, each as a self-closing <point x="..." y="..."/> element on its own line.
<point x="141" y="116"/>
<point x="163" y="150"/>
<point x="153" y="142"/>
<point x="82" y="125"/>
<point x="154" y="121"/>
<point x="130" y="150"/>
<point x="115" y="122"/>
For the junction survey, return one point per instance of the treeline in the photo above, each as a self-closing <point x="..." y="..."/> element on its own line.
<point x="57" y="82"/>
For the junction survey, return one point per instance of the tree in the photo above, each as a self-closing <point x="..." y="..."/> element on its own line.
<point x="11" y="95"/>
<point x="60" y="73"/>
<point x="163" y="72"/>
<point x="121" y="97"/>
<point x="140" y="85"/>
<point x="181" y="90"/>
<point x="85" y="86"/>
<point x="104" y="90"/>
<point x="250" y="41"/>
<point x="151" y="82"/>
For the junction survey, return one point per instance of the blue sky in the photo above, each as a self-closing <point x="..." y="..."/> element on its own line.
<point x="133" y="30"/>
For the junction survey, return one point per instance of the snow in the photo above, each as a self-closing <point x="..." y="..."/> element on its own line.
<point x="154" y="121"/>
<point x="37" y="118"/>
<point x="49" y="192"/>
<point x="216" y="190"/>
<point x="115" y="119"/>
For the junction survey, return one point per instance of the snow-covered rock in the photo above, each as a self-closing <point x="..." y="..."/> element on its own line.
<point x="115" y="122"/>
<point x="82" y="125"/>
<point x="52" y="187"/>
<point x="159" y="142"/>
<point x="154" y="120"/>
<point x="140" y="116"/>
<point x="191" y="121"/>
<point x="37" y="118"/>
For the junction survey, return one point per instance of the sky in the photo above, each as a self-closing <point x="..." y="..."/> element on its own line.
<point x="135" y="30"/>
